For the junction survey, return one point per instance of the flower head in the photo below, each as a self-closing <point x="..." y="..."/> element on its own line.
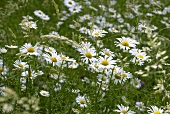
<point x="82" y="101"/>
<point x="155" y="110"/>
<point x="44" y="93"/>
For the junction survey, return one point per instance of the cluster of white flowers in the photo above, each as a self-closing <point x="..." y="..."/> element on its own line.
<point x="73" y="6"/>
<point x="41" y="15"/>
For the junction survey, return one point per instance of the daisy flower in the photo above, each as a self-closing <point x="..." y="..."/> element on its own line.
<point x="124" y="110"/>
<point x="126" y="43"/>
<point x="39" y="73"/>
<point x="113" y="30"/>
<point x="106" y="62"/>
<point x="116" y="76"/>
<point x="155" y="110"/>
<point x="126" y="75"/>
<point x="82" y="101"/>
<point x="103" y="78"/>
<point x="84" y="46"/>
<point x="49" y="49"/>
<point x="29" y="24"/>
<point x="21" y="65"/>
<point x="139" y="54"/>
<point x="73" y="64"/>
<point x="140" y="106"/>
<point x="38" y="13"/>
<point x="99" y="43"/>
<point x="3" y="50"/>
<point x="88" y="55"/>
<point x="83" y="30"/>
<point x="86" y="17"/>
<point x="75" y="9"/>
<point x="3" y="69"/>
<point x="53" y="58"/>
<point x="44" y="93"/>
<point x="23" y="80"/>
<point x="107" y="52"/>
<point x="94" y="65"/>
<point x="142" y="27"/>
<point x="98" y="33"/>
<point x="136" y="82"/>
<point x="69" y="3"/>
<point x="32" y="74"/>
<point x="28" y="49"/>
<point x="45" y="17"/>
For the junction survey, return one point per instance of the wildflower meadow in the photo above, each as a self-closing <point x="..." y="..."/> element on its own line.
<point x="84" y="56"/>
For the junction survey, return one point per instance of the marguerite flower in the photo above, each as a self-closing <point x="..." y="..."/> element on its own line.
<point x="136" y="82"/>
<point x="38" y="13"/>
<point x="88" y="55"/>
<point x="140" y="106"/>
<point x="28" y="49"/>
<point x="82" y="101"/>
<point x="98" y="33"/>
<point x="126" y="43"/>
<point x="107" y="52"/>
<point x="44" y="93"/>
<point x="29" y="24"/>
<point x="140" y="56"/>
<point x="53" y="58"/>
<point x="31" y="74"/>
<point x="124" y="110"/>
<point x="106" y="62"/>
<point x="21" y="65"/>
<point x="155" y="110"/>
<point x="45" y="17"/>
<point x="116" y="74"/>
<point x="69" y="3"/>
<point x="75" y="9"/>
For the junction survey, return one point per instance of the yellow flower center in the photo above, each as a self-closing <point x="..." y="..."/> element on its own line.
<point x="140" y="56"/>
<point x="1" y="69"/>
<point x="117" y="76"/>
<point x="96" y="66"/>
<point x="20" y="65"/>
<point x="53" y="59"/>
<point x="154" y="0"/>
<point x="44" y="93"/>
<point x="31" y="50"/>
<point x="82" y="101"/>
<point x="124" y="111"/>
<point x="30" y="75"/>
<point x="143" y="27"/>
<point x="63" y="57"/>
<point x="107" y="53"/>
<point x="125" y="43"/>
<point x="135" y="82"/>
<point x="69" y="2"/>
<point x="39" y="12"/>
<point x="96" y="34"/>
<point x="123" y="75"/>
<point x="140" y="106"/>
<point x="88" y="55"/>
<point x="157" y="112"/>
<point x="103" y="78"/>
<point x="30" y="24"/>
<point x="74" y="9"/>
<point x="105" y="62"/>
